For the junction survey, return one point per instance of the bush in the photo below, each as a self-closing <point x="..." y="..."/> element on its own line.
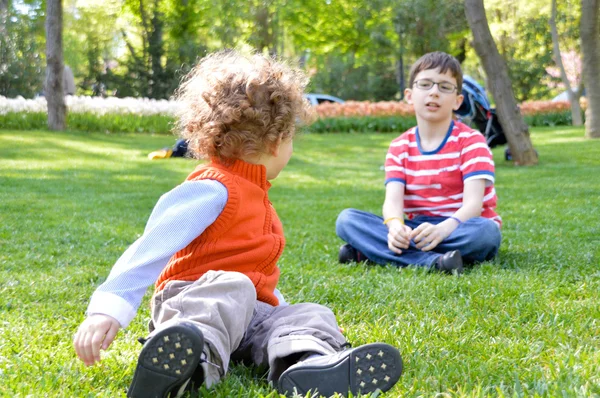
<point x="136" y="115"/>
<point x="126" y="123"/>
<point x="112" y="123"/>
<point x="163" y="124"/>
<point x="549" y="119"/>
<point x="365" y="124"/>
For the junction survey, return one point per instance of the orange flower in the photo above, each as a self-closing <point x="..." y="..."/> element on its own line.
<point x="399" y="108"/>
<point x="364" y="108"/>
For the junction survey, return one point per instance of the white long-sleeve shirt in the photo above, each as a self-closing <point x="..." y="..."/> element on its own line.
<point x="179" y="217"/>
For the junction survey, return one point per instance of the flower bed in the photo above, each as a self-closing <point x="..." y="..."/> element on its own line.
<point x="364" y="108"/>
<point x="156" y="116"/>
<point x="94" y="105"/>
<point x="397" y="108"/>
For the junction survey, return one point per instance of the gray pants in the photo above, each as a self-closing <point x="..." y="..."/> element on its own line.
<point x="237" y="326"/>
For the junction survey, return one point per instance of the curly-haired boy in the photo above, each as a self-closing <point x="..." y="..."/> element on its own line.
<point x="211" y="247"/>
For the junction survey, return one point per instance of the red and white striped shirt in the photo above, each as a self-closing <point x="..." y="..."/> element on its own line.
<point x="434" y="180"/>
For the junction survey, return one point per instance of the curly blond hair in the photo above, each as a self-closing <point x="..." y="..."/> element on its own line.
<point x="235" y="106"/>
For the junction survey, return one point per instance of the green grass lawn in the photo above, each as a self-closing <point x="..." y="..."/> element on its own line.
<point x="527" y="324"/>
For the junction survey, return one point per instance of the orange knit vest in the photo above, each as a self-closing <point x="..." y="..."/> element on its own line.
<point x="246" y="237"/>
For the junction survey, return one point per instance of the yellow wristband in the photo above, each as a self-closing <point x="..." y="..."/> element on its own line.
<point x="387" y="220"/>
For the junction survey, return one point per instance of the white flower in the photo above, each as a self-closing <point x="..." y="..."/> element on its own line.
<point x="95" y="105"/>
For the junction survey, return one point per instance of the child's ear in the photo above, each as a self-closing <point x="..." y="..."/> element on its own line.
<point x="459" y="101"/>
<point x="408" y="95"/>
<point x="274" y="150"/>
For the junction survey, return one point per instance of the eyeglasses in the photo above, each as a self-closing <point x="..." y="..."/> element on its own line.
<point x="444" y="87"/>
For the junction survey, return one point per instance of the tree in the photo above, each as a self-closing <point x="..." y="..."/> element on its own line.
<point x="265" y="29"/>
<point x="90" y="40"/>
<point x="163" y="38"/>
<point x="22" y="63"/>
<point x="57" y="111"/>
<point x="515" y="25"/>
<point x="3" y="16"/>
<point x="184" y="38"/>
<point x="590" y="46"/>
<point x="573" y="94"/>
<point x="146" y="63"/>
<point x="515" y="129"/>
<point x="423" y="26"/>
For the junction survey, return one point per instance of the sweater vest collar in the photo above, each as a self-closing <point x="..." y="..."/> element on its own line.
<point x="255" y="173"/>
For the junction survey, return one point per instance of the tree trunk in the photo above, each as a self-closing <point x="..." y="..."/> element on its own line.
<point x="400" y="59"/>
<point x="262" y="37"/>
<point x="54" y="92"/>
<point x="576" y="118"/>
<point x="590" y="46"/>
<point x="3" y="16"/>
<point x="156" y="52"/>
<point x="3" y="32"/>
<point x="400" y="75"/>
<point x="513" y="125"/>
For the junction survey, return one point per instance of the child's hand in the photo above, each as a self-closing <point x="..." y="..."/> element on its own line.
<point x="97" y="331"/>
<point x="398" y="236"/>
<point x="427" y="236"/>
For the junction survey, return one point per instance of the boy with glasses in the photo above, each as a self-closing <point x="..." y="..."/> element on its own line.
<point x="441" y="175"/>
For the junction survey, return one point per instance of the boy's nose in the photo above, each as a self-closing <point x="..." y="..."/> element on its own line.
<point x="434" y="91"/>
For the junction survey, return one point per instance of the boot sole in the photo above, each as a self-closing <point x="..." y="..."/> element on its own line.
<point x="366" y="369"/>
<point x="167" y="360"/>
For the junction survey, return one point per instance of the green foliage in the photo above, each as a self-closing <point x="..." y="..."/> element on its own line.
<point x="109" y="123"/>
<point x="524" y="325"/>
<point x="352" y="49"/>
<point x="155" y="124"/>
<point x="24" y="120"/>
<point x="516" y="25"/>
<point x="340" y="76"/>
<point x="359" y="51"/>
<point x="399" y="124"/>
<point x="22" y="62"/>
<point x="550" y="119"/>
<point x="90" y="39"/>
<point x="430" y="25"/>
<point x="391" y="124"/>
<point x="182" y="23"/>
<point x="162" y="124"/>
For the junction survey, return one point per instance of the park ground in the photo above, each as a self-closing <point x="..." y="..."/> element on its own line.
<point x="526" y="324"/>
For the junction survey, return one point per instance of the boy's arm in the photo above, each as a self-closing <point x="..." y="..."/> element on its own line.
<point x="393" y="213"/>
<point x="472" y="200"/>
<point x="178" y="218"/>
<point x="478" y="170"/>
<point x="395" y="183"/>
<point x="393" y="206"/>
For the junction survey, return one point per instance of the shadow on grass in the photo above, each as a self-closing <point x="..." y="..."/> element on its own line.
<point x="44" y="145"/>
<point x="515" y="260"/>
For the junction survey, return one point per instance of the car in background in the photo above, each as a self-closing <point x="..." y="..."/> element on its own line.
<point x="316" y="99"/>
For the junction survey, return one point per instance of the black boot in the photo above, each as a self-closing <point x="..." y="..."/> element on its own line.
<point x="360" y="370"/>
<point x="450" y="262"/>
<point x="167" y="361"/>
<point x="349" y="254"/>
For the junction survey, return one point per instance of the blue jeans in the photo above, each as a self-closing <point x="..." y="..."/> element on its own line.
<point x="477" y="239"/>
